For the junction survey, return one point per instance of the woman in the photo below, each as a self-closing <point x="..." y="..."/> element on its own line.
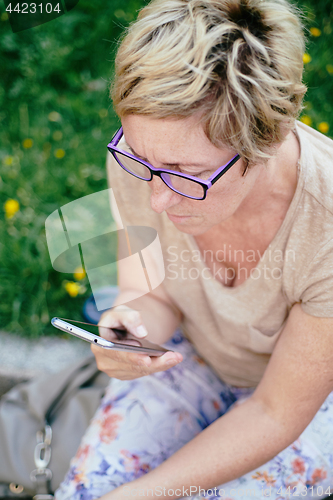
<point x="208" y="92"/>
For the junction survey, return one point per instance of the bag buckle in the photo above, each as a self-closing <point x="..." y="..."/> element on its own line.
<point x="40" y="472"/>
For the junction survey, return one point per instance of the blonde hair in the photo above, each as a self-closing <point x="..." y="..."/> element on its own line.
<point x="240" y="62"/>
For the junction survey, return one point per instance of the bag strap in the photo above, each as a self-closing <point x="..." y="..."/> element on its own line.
<point x="83" y="375"/>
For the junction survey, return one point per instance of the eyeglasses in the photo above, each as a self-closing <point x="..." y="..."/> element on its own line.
<point x="183" y="184"/>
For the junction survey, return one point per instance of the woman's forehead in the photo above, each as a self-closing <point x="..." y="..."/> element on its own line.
<point x="178" y="138"/>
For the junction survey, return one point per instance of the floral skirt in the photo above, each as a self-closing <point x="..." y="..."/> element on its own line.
<point x="142" y="422"/>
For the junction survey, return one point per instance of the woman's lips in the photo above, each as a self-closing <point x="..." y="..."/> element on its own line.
<point x="178" y="218"/>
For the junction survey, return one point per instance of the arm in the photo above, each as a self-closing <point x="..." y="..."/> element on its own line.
<point x="154" y="312"/>
<point x="264" y="425"/>
<point x="159" y="314"/>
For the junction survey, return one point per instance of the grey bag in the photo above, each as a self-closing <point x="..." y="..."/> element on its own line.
<point x="41" y="424"/>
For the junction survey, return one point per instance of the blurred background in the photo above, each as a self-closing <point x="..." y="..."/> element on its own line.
<point x="56" y="119"/>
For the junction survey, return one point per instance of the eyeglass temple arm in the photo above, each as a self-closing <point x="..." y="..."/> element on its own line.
<point x="117" y="136"/>
<point x="229" y="165"/>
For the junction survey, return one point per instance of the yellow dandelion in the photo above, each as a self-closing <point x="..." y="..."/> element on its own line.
<point x="103" y="113"/>
<point x="323" y="127"/>
<point x="315" y="32"/>
<point x="27" y="143"/>
<point x="119" y="13"/>
<point x="75" y="143"/>
<point x="307" y="58"/>
<point x="11" y="207"/>
<point x="79" y="273"/>
<point x="306" y="119"/>
<point x="54" y="116"/>
<point x="72" y="288"/>
<point x="59" y="153"/>
<point x="46" y="285"/>
<point x="327" y="29"/>
<point x="329" y="68"/>
<point x="8" y="160"/>
<point x="57" y="135"/>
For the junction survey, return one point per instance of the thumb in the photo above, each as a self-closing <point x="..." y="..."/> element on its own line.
<point x="132" y="321"/>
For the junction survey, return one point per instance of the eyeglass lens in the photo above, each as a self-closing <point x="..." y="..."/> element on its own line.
<point x="183" y="186"/>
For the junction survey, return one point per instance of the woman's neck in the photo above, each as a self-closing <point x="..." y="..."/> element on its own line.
<point x="276" y="188"/>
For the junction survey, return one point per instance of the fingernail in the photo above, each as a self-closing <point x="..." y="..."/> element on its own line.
<point x="171" y="359"/>
<point x="175" y="360"/>
<point x="141" y="331"/>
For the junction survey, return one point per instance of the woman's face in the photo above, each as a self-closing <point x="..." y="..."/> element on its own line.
<point x="182" y="145"/>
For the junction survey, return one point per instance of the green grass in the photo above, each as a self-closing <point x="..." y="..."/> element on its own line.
<point x="54" y="91"/>
<point x="318" y="73"/>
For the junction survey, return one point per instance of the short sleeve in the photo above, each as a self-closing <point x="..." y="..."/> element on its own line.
<point x="316" y="285"/>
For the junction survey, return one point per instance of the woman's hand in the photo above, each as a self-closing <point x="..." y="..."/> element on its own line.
<point x="126" y="365"/>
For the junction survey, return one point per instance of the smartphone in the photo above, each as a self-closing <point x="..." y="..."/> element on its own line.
<point x="125" y="341"/>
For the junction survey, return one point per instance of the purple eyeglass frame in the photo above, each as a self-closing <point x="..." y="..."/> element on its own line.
<point x="112" y="147"/>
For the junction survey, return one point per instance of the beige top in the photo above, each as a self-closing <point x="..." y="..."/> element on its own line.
<point x="235" y="329"/>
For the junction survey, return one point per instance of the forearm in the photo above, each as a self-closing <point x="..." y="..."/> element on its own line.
<point x="160" y="319"/>
<point x="243" y="439"/>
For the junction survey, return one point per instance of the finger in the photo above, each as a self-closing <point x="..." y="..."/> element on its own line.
<point x="129" y="366"/>
<point x="108" y="320"/>
<point x="161" y="363"/>
<point x="107" y="333"/>
<point x="135" y="361"/>
<point x="123" y="316"/>
<point x="157" y="364"/>
<point x="141" y="363"/>
<point x="132" y="321"/>
<point x="118" y="370"/>
<point x="138" y="360"/>
<point x="121" y="370"/>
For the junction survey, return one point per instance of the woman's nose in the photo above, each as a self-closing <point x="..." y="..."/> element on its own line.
<point x="162" y="197"/>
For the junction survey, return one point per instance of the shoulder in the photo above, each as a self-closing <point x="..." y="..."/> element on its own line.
<point x="308" y="264"/>
<point x="312" y="218"/>
<point x="317" y="162"/>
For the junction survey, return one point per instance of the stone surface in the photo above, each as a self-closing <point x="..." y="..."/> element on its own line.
<point x="22" y="359"/>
